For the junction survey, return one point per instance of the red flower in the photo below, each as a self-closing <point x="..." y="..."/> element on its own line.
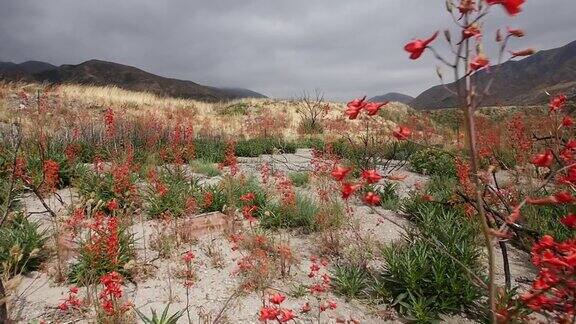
<point x="188" y="256"/>
<point x="515" y="32"/>
<point x="248" y="197"/>
<point x="569" y="221"/>
<point x="268" y="313"/>
<point x="471" y="31"/>
<point x="479" y="62"/>
<point x="112" y="205"/>
<point x="305" y="308"/>
<point x="348" y="189"/>
<point x="511" y="6"/>
<point x="339" y="172"/>
<point x="526" y="52"/>
<point x="286" y="315"/>
<point x="373" y="107"/>
<point x="557" y="102"/>
<point x="354" y="107"/>
<point x="277" y="298"/>
<point x="332" y="304"/>
<point x="402" y="133"/>
<point x="417" y="46"/>
<point x="567" y="121"/>
<point x="371" y="198"/>
<point x="371" y="176"/>
<point x="543" y="160"/>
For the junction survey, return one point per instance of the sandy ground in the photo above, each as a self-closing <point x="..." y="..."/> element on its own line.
<point x="36" y="295"/>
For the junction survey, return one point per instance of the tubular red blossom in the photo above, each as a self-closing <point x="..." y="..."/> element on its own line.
<point x="557" y="102"/>
<point x="562" y="197"/>
<point x="305" y="308"/>
<point x="188" y="256"/>
<point x="402" y="133"/>
<point x="479" y="62"/>
<point x="418" y="46"/>
<point x="513" y="7"/>
<point x="526" y="52"/>
<point x="286" y="315"/>
<point x="354" y="107"/>
<point x="371" y="176"/>
<point x="248" y="197"/>
<point x="471" y="31"/>
<point x="515" y="32"/>
<point x="569" y="221"/>
<point x="543" y="160"/>
<point x="268" y="313"/>
<point x="277" y="298"/>
<point x="348" y="189"/>
<point x="372" y="199"/>
<point x="514" y="216"/>
<point x="372" y="108"/>
<point x="567" y="121"/>
<point x="340" y="172"/>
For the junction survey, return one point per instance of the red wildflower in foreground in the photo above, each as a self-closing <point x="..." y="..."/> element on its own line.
<point x="371" y="176"/>
<point x="543" y="160"/>
<point x="479" y="62"/>
<point x="526" y="52"/>
<point x="557" y="102"/>
<point x="277" y="298"/>
<point x="402" y="133"/>
<point x="512" y="7"/>
<point x="567" y="121"/>
<point x="373" y="107"/>
<point x="372" y="199"/>
<point x="112" y="205"/>
<point x="418" y="46"/>
<point x="340" y="172"/>
<point x="471" y="31"/>
<point x="268" y="313"/>
<point x="348" y="189"/>
<point x="354" y="107"/>
<point x="569" y="221"/>
<point x="562" y="197"/>
<point x="112" y="292"/>
<point x="515" y="32"/>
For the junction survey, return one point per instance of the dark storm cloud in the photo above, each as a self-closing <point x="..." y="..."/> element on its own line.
<point x="346" y="48"/>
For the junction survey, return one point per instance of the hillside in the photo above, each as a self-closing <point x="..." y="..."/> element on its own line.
<point x="516" y="83"/>
<point x="102" y="73"/>
<point x="393" y="96"/>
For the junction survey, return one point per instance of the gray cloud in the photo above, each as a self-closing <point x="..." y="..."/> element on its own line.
<point x="279" y="48"/>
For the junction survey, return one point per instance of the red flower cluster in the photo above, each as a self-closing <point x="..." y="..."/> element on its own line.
<point x="111" y="295"/>
<point x="273" y="311"/>
<point x="557" y="102"/>
<point x="72" y="301"/>
<point x="51" y="171"/>
<point x="554" y="290"/>
<point x="354" y="107"/>
<point x="512" y="7"/>
<point x="109" y="122"/>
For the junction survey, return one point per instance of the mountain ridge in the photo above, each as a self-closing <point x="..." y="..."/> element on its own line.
<point x="104" y="73"/>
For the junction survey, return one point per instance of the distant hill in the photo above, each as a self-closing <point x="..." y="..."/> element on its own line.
<point x="516" y="83"/>
<point x="393" y="96"/>
<point x="102" y="73"/>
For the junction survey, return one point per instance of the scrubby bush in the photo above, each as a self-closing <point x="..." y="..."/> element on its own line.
<point x="21" y="246"/>
<point x="433" y="161"/>
<point x="299" y="178"/>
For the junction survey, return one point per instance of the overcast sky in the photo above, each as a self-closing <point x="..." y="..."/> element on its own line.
<point x="346" y="48"/>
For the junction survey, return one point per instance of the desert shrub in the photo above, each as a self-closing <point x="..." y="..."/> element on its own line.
<point x="211" y="198"/>
<point x="433" y="162"/>
<point x="234" y="109"/>
<point x="302" y="214"/>
<point x="94" y="258"/>
<point x="310" y="126"/>
<point x="54" y="152"/>
<point x="400" y="150"/>
<point x="546" y="221"/>
<point x="299" y="179"/>
<point x="311" y="142"/>
<point x="178" y="189"/>
<point x="350" y="281"/>
<point x="209" y="149"/>
<point x="21" y="245"/>
<point x="425" y="282"/>
<point x="441" y="188"/>
<point x="205" y="168"/>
